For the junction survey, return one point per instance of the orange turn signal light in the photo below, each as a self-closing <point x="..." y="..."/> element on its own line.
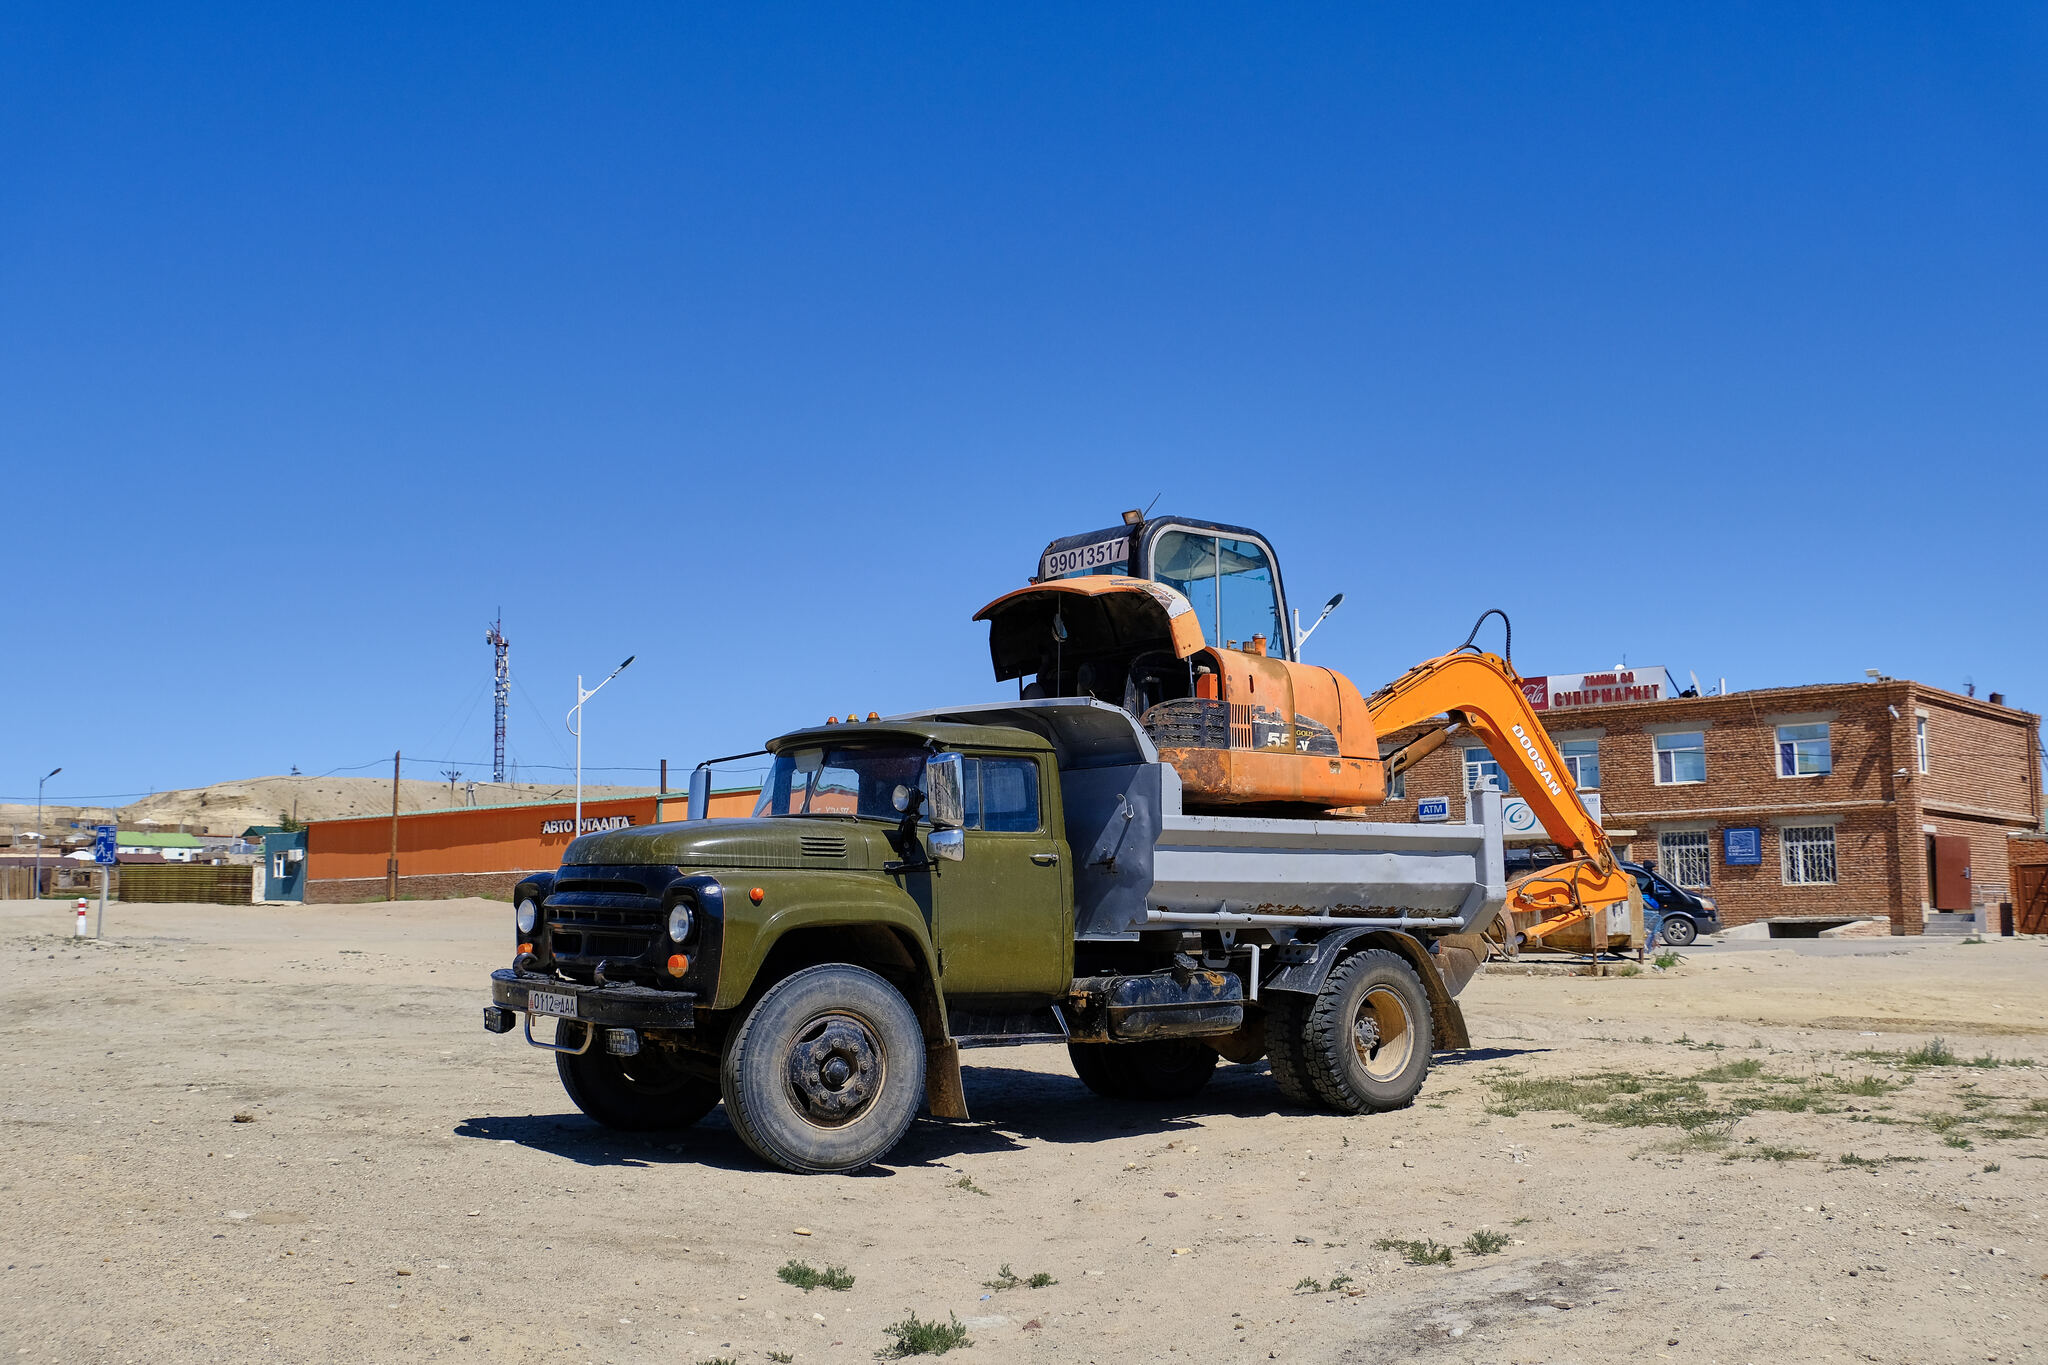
<point x="756" y="895"/>
<point x="678" y="964"/>
<point x="526" y="947"/>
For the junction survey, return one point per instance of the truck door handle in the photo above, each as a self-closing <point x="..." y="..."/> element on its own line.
<point x="1045" y="859"/>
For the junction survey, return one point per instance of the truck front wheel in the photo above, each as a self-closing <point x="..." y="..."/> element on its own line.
<point x="638" y="1094"/>
<point x="1163" y="1069"/>
<point x="1366" y="1038"/>
<point x="826" y="1071"/>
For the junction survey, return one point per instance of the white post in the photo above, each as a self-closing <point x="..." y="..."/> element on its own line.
<point x="99" y="927"/>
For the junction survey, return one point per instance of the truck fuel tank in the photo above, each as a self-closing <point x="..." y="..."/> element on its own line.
<point x="1181" y="1003"/>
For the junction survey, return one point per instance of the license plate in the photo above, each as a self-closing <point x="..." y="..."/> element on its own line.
<point x="549" y="1002"/>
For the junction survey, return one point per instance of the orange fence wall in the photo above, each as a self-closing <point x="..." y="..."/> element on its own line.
<point x="487" y="839"/>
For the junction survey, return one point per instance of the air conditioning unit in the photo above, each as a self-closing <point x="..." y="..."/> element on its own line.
<point x="295" y="855"/>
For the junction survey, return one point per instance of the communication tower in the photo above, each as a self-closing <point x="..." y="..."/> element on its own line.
<point x="501" y="696"/>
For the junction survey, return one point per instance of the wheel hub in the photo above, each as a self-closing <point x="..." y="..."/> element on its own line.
<point x="835" y="1069"/>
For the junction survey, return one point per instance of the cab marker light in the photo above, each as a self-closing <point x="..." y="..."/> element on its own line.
<point x="757" y="895"/>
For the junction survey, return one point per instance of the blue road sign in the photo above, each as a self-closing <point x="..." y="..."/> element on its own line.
<point x="103" y="845"/>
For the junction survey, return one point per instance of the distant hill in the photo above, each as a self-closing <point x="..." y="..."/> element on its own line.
<point x="231" y="807"/>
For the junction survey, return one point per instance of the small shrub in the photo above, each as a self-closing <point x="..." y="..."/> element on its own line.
<point x="1990" y="1166"/>
<point x="1308" y="1285"/>
<point x="1748" y="1069"/>
<point x="1781" y="1154"/>
<point x="781" y="1357"/>
<point x="1851" y="1159"/>
<point x="1933" y="1052"/>
<point x="1041" y="1280"/>
<point x="1430" y="1252"/>
<point x="719" y="1360"/>
<point x="966" y="1182"/>
<point x="917" y="1337"/>
<point x="1339" y="1281"/>
<point x="1870" y="1087"/>
<point x="1485" y="1242"/>
<point x="1959" y="1141"/>
<point x="1665" y="961"/>
<point x="807" y="1277"/>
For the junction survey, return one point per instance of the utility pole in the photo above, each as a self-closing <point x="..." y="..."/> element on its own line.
<point x="37" y="894"/>
<point x="575" y="724"/>
<point x="391" y="868"/>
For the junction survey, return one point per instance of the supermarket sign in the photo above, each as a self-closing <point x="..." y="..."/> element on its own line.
<point x="1562" y="691"/>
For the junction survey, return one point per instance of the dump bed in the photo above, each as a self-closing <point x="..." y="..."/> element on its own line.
<point x="1140" y="860"/>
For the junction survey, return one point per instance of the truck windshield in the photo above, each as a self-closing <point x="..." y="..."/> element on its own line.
<point x="862" y="782"/>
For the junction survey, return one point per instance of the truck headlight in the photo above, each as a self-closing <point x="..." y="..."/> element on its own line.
<point x="679" y="923"/>
<point x="527" y="916"/>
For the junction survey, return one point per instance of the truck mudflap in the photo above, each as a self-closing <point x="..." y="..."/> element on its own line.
<point x="633" y="1007"/>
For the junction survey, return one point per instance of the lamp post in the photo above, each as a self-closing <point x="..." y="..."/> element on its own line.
<point x="39" y="831"/>
<point x="574" y="721"/>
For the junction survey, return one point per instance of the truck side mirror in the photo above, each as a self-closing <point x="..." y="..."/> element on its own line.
<point x="945" y="786"/>
<point x="950" y="844"/>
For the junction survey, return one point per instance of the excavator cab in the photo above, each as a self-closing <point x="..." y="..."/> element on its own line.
<point x="1184" y="624"/>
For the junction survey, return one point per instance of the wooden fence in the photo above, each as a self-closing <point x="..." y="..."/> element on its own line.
<point x="189" y="884"/>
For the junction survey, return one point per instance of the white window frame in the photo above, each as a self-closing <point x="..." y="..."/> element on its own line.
<point x="1675" y="848"/>
<point x="1826" y="740"/>
<point x="1573" y="763"/>
<point x="1657" y="751"/>
<point x="1476" y="769"/>
<point x="1920" y="740"/>
<point x="277" y="865"/>
<point x="1807" y="840"/>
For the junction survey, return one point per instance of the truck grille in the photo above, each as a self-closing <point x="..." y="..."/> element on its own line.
<point x="594" y="915"/>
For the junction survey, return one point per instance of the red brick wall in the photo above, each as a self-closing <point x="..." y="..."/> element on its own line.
<point x="1980" y="757"/>
<point x="443" y="886"/>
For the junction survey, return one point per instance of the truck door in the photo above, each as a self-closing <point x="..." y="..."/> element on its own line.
<point x="1004" y="914"/>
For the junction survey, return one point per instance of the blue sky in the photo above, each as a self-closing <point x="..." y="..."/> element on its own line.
<point x="767" y="344"/>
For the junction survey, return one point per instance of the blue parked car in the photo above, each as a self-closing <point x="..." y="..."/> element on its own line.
<point x="1686" y="914"/>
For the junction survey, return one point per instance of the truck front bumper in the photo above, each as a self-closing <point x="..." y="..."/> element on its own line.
<point x="626" y="1007"/>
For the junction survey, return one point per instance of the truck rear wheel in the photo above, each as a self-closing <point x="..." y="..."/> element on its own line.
<point x="638" y="1094"/>
<point x="1366" y="1041"/>
<point x="826" y="1071"/>
<point x="1163" y="1069"/>
<point x="1286" y="1043"/>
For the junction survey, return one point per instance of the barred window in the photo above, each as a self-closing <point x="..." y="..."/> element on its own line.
<point x="1397" y="787"/>
<point x="1803" y="751"/>
<point x="1582" y="761"/>
<point x="1481" y="764"/>
<point x="1682" y="857"/>
<point x="1809" y="855"/>
<point x="1681" y="758"/>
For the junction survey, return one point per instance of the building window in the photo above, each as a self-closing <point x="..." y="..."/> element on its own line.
<point x="1681" y="758"/>
<point x="1920" y="741"/>
<point x="1582" y="761"/>
<point x="277" y="867"/>
<point x="1480" y="764"/>
<point x="1803" y="751"/>
<point x="1397" y="787"/>
<point x="1809" y="855"/>
<point x="1683" y="857"/>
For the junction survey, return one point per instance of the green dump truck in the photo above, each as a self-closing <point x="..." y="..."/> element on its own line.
<point x="987" y="875"/>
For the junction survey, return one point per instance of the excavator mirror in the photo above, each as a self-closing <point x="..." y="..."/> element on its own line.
<point x="945" y="785"/>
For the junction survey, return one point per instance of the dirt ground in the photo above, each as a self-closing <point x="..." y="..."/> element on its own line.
<point x="409" y="1187"/>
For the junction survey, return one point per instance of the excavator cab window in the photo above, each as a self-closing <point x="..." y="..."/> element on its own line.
<point x="1230" y="583"/>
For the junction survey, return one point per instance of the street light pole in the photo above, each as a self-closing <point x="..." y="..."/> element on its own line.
<point x="39" y="831"/>
<point x="574" y="721"/>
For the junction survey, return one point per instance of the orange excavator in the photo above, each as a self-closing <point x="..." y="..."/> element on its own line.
<point x="1184" y="623"/>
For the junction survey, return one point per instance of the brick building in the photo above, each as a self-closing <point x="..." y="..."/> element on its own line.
<point x="1888" y="798"/>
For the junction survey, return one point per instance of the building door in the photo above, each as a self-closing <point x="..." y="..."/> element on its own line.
<point x="2031" y="909"/>
<point x="1948" y="871"/>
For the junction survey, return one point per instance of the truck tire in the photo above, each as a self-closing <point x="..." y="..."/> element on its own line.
<point x="1163" y="1069"/>
<point x="640" y="1094"/>
<point x="826" y="1071"/>
<point x="1366" y="1044"/>
<point x="1286" y="1034"/>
